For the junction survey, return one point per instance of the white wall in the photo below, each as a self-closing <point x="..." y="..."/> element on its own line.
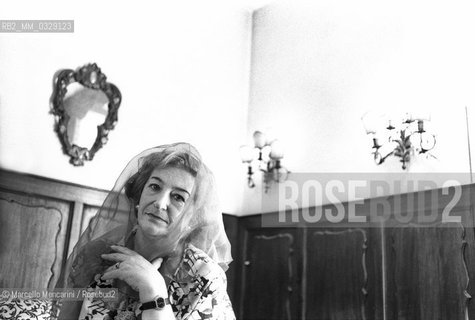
<point x="318" y="66"/>
<point x="182" y="69"/>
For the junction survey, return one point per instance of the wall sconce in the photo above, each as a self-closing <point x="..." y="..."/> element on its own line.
<point x="266" y="156"/>
<point x="402" y="139"/>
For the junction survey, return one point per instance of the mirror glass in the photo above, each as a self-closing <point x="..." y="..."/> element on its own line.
<point x="87" y="109"/>
<point x="85" y="106"/>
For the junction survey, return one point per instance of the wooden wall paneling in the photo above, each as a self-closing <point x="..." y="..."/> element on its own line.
<point x="343" y="267"/>
<point x="33" y="238"/>
<point x="76" y="221"/>
<point x="231" y="228"/>
<point x="375" y="300"/>
<point x="35" y="193"/>
<point x="271" y="271"/>
<point x="81" y="219"/>
<point x="395" y="272"/>
<point x="39" y="186"/>
<point x="35" y="185"/>
<point x="469" y="250"/>
<point x="341" y="272"/>
<point x="88" y="213"/>
<point x="376" y="276"/>
<point x="468" y="253"/>
<point x="428" y="272"/>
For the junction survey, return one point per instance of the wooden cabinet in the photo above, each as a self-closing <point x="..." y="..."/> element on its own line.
<point x="382" y="271"/>
<point x="387" y="271"/>
<point x="426" y="273"/>
<point x="341" y="281"/>
<point x="33" y="238"/>
<point x="40" y="221"/>
<point x="430" y="267"/>
<point x="308" y="273"/>
<point x="270" y="272"/>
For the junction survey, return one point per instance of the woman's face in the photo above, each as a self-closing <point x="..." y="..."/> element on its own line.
<point x="163" y="199"/>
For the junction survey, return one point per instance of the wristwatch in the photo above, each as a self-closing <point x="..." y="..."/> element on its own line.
<point x="158" y="303"/>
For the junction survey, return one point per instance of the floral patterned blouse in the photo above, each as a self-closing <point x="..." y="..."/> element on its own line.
<point x="197" y="291"/>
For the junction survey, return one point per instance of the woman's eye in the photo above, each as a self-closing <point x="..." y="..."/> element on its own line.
<point x="179" y="198"/>
<point x="154" y="186"/>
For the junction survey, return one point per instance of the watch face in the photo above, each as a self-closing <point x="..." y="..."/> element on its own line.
<point x="160" y="303"/>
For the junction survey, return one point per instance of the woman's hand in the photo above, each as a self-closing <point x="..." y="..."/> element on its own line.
<point x="137" y="272"/>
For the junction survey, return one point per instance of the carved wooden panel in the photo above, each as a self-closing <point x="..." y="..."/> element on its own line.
<point x="33" y="234"/>
<point x="337" y="274"/>
<point x="427" y="273"/>
<point x="87" y="214"/>
<point x="271" y="274"/>
<point x="468" y="251"/>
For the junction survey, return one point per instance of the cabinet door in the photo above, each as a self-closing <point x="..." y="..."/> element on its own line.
<point x="33" y="233"/>
<point x="342" y="278"/>
<point x="428" y="272"/>
<point x="271" y="272"/>
<point x="39" y="224"/>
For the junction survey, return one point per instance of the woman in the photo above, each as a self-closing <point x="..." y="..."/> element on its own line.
<point x="159" y="239"/>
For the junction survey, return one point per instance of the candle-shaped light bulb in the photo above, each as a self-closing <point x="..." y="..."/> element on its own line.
<point x="259" y="139"/>
<point x="370" y="121"/>
<point x="369" y="128"/>
<point x="277" y="150"/>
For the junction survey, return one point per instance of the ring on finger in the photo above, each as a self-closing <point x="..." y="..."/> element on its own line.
<point x="117" y="265"/>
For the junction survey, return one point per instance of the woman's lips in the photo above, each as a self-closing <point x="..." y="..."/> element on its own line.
<point x="156" y="216"/>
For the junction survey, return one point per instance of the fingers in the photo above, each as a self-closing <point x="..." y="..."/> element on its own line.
<point x="121" y="255"/>
<point x="157" y="263"/>
<point x="124" y="250"/>
<point x="111" y="274"/>
<point x="112" y="267"/>
<point x="114" y="256"/>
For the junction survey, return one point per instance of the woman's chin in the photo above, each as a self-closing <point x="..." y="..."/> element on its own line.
<point x="152" y="226"/>
<point x="154" y="230"/>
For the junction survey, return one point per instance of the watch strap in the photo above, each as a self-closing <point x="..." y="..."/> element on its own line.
<point x="157" y="303"/>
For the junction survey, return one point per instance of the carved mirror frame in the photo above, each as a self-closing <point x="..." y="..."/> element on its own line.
<point x="90" y="76"/>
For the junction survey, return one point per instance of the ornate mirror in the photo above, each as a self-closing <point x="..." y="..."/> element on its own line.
<point x="85" y="106"/>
